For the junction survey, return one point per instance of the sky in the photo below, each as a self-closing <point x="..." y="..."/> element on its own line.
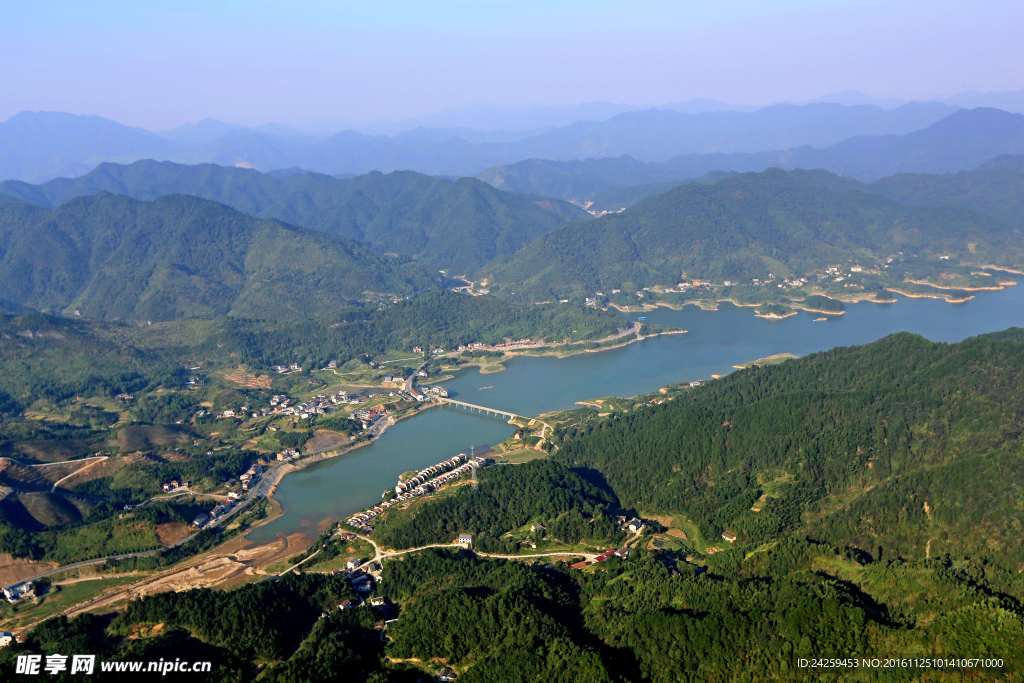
<point x="159" y="64"/>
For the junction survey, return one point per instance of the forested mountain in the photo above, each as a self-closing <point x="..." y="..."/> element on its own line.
<point x="447" y="225"/>
<point x="114" y="257"/>
<point x="745" y="227"/>
<point x="574" y="180"/>
<point x="618" y="198"/>
<point x="54" y="358"/>
<point x="996" y="188"/>
<point x="873" y="491"/>
<point x="902" y="447"/>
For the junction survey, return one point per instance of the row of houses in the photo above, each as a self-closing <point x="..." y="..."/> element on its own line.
<point x="363" y="519"/>
<point x="426" y="474"/>
<point x="515" y="344"/>
<point x="173" y="485"/>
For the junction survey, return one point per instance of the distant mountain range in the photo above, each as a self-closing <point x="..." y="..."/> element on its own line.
<point x="446" y="225"/>
<point x="36" y="147"/>
<point x="113" y="257"/>
<point x="961" y="141"/>
<point x="740" y="227"/>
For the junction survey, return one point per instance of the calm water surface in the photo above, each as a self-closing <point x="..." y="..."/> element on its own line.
<point x="716" y="340"/>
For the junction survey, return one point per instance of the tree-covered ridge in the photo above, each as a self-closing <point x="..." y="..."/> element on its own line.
<point x="571" y="509"/>
<point x="48" y="357"/>
<point x="456" y="226"/>
<point x="995" y="188"/>
<point x="113" y="257"/>
<point x="651" y="617"/>
<point x="901" y="447"/>
<point x="745" y="227"/>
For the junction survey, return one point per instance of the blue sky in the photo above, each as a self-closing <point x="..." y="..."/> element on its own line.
<point x="159" y="64"/>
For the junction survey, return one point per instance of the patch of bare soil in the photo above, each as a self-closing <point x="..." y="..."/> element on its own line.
<point x="147" y="437"/>
<point x="246" y="380"/>
<point x="49" y="451"/>
<point x="13" y="570"/>
<point x="171" y="532"/>
<point x="325" y="439"/>
<point x="206" y="575"/>
<point x="677" y="533"/>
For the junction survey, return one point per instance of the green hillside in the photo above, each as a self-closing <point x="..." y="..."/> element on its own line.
<point x="51" y="359"/>
<point x="117" y="258"/>
<point x="900" y="448"/>
<point x="995" y="188"/>
<point x="748" y="227"/>
<point x="446" y="225"/>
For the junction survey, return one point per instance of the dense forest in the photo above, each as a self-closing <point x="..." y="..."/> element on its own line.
<point x="651" y="617"/>
<point x="902" y="447"/>
<point x="744" y="227"/>
<point x="509" y="498"/>
<point x="443" y="224"/>
<point x="109" y="256"/>
<point x="49" y="357"/>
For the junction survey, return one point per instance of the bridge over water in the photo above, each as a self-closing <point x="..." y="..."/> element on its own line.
<point x="483" y="410"/>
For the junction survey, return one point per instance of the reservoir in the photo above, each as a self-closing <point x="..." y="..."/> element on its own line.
<point x="715" y="341"/>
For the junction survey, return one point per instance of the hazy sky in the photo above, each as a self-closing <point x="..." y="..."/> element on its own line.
<point x="158" y="64"/>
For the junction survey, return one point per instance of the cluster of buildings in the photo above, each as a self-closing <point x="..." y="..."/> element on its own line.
<point x="416" y="486"/>
<point x="217" y="512"/>
<point x="425" y="475"/>
<point x="437" y="391"/>
<point x="174" y="485"/>
<point x="252" y="477"/>
<point x="515" y="344"/>
<point x="287" y="454"/>
<point x="621" y="553"/>
<point x="368" y="418"/>
<point x="285" y="368"/>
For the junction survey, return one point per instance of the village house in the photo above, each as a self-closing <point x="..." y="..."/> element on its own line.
<point x="446" y="674"/>
<point x="634" y="525"/>
<point x="728" y="537"/>
<point x="22" y="591"/>
<point x="537" y="527"/>
<point x="465" y="540"/>
<point x="200" y="521"/>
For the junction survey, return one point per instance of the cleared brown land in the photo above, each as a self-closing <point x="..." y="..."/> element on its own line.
<point x="325" y="438"/>
<point x="246" y="380"/>
<point x="35" y="478"/>
<point x="171" y="532"/>
<point x="13" y="570"/>
<point x="144" y="437"/>
<point x="49" y="451"/>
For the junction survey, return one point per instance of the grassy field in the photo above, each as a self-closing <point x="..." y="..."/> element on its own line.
<point x="58" y="599"/>
<point x="767" y="360"/>
<point x="522" y="455"/>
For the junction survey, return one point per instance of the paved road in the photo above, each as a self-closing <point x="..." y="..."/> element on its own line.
<point x="412" y="378"/>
